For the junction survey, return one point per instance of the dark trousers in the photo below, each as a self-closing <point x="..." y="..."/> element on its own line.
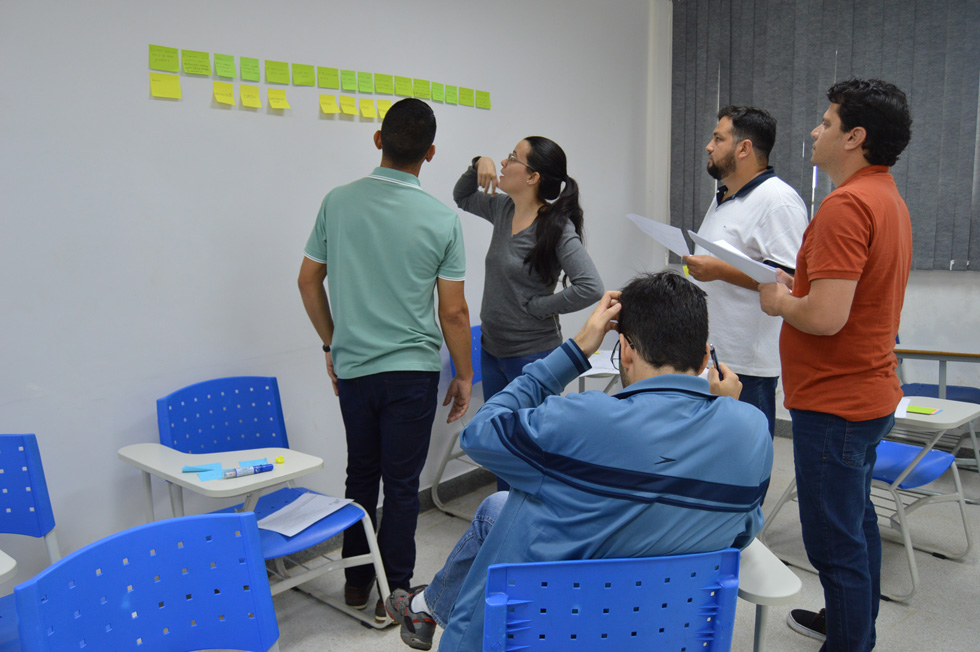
<point x="388" y="418"/>
<point x="760" y="391"/>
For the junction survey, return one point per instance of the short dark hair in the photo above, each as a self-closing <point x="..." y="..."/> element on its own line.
<point x="665" y="318"/>
<point x="751" y="123"/>
<point x="408" y="129"/>
<point x="882" y="109"/>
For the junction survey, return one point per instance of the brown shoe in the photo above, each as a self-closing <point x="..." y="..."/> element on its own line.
<point x="380" y="615"/>
<point x="357" y="596"/>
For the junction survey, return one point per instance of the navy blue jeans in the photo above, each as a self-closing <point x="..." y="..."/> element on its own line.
<point x="834" y="459"/>
<point x="760" y="391"/>
<point x="497" y="374"/>
<point x="388" y="418"/>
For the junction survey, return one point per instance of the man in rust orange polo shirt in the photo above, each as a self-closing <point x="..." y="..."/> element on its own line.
<point x="840" y="317"/>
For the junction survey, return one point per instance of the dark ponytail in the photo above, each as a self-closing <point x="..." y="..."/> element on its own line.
<point x="560" y="205"/>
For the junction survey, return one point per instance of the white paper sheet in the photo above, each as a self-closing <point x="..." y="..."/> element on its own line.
<point x="601" y="364"/>
<point x="902" y="410"/>
<point x="667" y="235"/>
<point x="758" y="271"/>
<point x="302" y="513"/>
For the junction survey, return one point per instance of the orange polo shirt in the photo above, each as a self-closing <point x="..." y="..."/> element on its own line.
<point x="862" y="232"/>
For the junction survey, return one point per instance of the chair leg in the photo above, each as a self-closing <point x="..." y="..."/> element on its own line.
<point x="788" y="495"/>
<point x="436" y="499"/>
<point x="909" y="550"/>
<point x="761" y="622"/>
<point x="51" y="543"/>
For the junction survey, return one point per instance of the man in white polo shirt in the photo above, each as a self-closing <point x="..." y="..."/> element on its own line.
<point x="388" y="246"/>
<point x="763" y="217"/>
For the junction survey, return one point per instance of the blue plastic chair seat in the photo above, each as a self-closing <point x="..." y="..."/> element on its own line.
<point x="893" y="458"/>
<point x="276" y="545"/>
<point x="953" y="392"/>
<point x="9" y="637"/>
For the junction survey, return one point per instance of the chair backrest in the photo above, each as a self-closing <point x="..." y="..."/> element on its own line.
<point x="476" y="333"/>
<point x="224" y="414"/>
<point x="190" y="583"/>
<point x="25" y="507"/>
<point x="683" y="602"/>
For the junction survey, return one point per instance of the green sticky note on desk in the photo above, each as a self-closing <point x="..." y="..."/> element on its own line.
<point x="303" y="75"/>
<point x="250" y="68"/>
<point x="915" y="409"/>
<point x="196" y="63"/>
<point x="165" y="59"/>
<point x="327" y="77"/>
<point x="224" y="66"/>
<point x="276" y="72"/>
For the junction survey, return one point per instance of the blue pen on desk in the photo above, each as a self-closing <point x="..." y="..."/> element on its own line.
<point x="714" y="359"/>
<point x="246" y="470"/>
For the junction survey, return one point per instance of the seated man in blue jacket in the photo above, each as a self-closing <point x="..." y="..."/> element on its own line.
<point x="673" y="464"/>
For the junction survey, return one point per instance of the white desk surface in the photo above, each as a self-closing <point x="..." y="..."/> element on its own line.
<point x="8" y="567"/>
<point x="953" y="415"/>
<point x="763" y="579"/>
<point x="167" y="463"/>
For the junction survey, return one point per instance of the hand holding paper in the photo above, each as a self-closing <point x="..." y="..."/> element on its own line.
<point x="758" y="271"/>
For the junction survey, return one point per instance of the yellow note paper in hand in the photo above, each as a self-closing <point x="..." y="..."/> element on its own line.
<point x="277" y="98"/>
<point x="165" y="86"/>
<point x="328" y="104"/>
<point x="383" y="106"/>
<point x="250" y="96"/>
<point x="348" y="105"/>
<point x="367" y="108"/>
<point x="224" y="93"/>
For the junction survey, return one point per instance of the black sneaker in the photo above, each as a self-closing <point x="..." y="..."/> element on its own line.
<point x="380" y="615"/>
<point x="357" y="596"/>
<point x="808" y="623"/>
<point x="417" y="629"/>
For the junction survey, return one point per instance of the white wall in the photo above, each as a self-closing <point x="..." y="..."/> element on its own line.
<point x="149" y="244"/>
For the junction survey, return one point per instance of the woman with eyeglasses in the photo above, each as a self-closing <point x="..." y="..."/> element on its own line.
<point x="537" y="238"/>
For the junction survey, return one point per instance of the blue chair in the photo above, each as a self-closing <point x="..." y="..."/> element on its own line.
<point x="453" y="452"/>
<point x="242" y="413"/>
<point x="190" y="583"/>
<point x="683" y="602"/>
<point x="25" y="508"/>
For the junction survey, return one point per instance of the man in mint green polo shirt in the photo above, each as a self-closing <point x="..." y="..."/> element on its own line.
<point x="388" y="245"/>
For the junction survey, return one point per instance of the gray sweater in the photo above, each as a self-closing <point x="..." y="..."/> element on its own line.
<point x="520" y="311"/>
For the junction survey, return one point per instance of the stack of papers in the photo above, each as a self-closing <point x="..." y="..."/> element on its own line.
<point x="302" y="513"/>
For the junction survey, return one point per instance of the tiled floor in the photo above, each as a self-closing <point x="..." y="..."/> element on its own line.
<point x="941" y="616"/>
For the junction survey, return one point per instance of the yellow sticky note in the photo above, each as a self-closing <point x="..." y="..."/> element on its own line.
<point x="422" y="88"/>
<point x="277" y="98"/>
<point x="403" y="86"/>
<point x="224" y="66"/>
<point x="165" y="59"/>
<point x="276" y="72"/>
<point x="384" y="84"/>
<point x="466" y="96"/>
<point x="328" y="104"/>
<point x="438" y="92"/>
<point x="348" y="80"/>
<point x="303" y="75"/>
<point x="250" y="96"/>
<point x="383" y="106"/>
<point x="687" y="272"/>
<point x="367" y="108"/>
<point x="167" y="86"/>
<point x="483" y="100"/>
<point x="365" y="82"/>
<point x="196" y="63"/>
<point x="249" y="68"/>
<point x="452" y="95"/>
<point x="224" y="93"/>
<point x="327" y="77"/>
<point x="348" y="105"/>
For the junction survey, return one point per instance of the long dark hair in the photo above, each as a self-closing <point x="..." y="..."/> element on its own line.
<point x="560" y="204"/>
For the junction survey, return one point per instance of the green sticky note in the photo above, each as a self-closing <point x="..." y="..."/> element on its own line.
<point x="422" y="89"/>
<point x="403" y="86"/>
<point x="327" y="77"/>
<point x="466" y="96"/>
<point x="165" y="59"/>
<point x="365" y="82"/>
<point x="384" y="84"/>
<point x="249" y="68"/>
<point x="914" y="409"/>
<point x="483" y="100"/>
<point x="303" y="75"/>
<point x="196" y="63"/>
<point x="348" y="80"/>
<point x="224" y="66"/>
<point x="276" y="72"/>
<point x="438" y="92"/>
<point x="452" y="94"/>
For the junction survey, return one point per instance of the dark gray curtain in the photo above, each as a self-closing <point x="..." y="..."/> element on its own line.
<point x="783" y="55"/>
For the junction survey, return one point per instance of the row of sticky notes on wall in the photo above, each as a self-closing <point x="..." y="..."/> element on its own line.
<point x="169" y="60"/>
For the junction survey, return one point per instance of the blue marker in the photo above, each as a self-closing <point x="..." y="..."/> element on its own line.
<point x="247" y="470"/>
